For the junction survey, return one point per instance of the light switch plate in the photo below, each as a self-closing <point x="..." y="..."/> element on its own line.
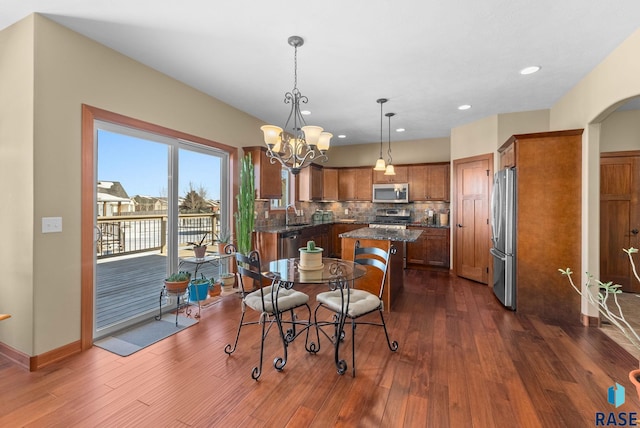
<point x="51" y="224"/>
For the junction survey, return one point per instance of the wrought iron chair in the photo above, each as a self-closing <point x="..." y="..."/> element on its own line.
<point x="351" y="303"/>
<point x="270" y="302"/>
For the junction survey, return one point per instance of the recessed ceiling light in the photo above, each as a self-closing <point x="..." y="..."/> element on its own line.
<point x="530" y="70"/>
<point x="400" y="130"/>
<point x="464" y="107"/>
<point x="342" y="136"/>
<point x="305" y="112"/>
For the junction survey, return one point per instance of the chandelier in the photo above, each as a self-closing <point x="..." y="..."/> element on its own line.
<point x="390" y="170"/>
<point x="298" y="146"/>
<point x="380" y="165"/>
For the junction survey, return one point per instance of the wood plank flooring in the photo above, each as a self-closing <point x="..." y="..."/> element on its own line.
<point x="463" y="361"/>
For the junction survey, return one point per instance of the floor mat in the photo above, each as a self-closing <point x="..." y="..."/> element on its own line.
<point x="135" y="338"/>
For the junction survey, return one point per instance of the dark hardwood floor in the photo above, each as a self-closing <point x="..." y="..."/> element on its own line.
<point x="463" y="361"/>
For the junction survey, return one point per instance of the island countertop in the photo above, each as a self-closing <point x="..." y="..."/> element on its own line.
<point x="382" y="234"/>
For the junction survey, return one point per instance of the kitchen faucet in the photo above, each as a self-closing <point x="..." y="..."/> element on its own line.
<point x="286" y="213"/>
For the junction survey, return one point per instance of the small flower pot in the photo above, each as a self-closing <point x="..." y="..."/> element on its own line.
<point x="198" y="290"/>
<point x="227" y="280"/>
<point x="200" y="251"/>
<point x="634" y="377"/>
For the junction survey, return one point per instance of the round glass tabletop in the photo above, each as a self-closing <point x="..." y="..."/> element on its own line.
<point x="289" y="270"/>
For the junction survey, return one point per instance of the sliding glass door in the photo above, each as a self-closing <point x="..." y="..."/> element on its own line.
<point x="154" y="196"/>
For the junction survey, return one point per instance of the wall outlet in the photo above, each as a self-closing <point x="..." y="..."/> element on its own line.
<point x="51" y="224"/>
<point x="266" y="214"/>
<point x="346" y="211"/>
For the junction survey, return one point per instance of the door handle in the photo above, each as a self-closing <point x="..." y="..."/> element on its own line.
<point x="634" y="231"/>
<point x="459" y="225"/>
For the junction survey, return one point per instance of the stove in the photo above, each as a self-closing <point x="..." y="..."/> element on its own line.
<point x="391" y="218"/>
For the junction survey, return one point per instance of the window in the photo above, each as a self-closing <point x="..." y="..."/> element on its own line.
<point x="280" y="204"/>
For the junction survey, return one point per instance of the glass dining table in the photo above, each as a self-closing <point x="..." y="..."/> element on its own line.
<point x="334" y="274"/>
<point x="290" y="271"/>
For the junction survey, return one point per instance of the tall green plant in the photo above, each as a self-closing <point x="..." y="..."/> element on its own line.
<point x="246" y="205"/>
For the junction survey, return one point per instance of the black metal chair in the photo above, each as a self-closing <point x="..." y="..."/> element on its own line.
<point x="351" y="303"/>
<point x="270" y="302"/>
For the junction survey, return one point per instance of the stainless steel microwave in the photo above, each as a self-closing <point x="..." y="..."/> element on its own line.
<point x="391" y="193"/>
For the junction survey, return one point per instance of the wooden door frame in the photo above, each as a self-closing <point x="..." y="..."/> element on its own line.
<point x="454" y="200"/>
<point x="88" y="185"/>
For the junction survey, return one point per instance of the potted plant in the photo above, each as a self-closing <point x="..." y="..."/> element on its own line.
<point x="199" y="289"/>
<point x="224" y="238"/>
<point x="227" y="281"/>
<point x="605" y="298"/>
<point x="246" y="206"/>
<point x="177" y="282"/>
<point x="200" y="247"/>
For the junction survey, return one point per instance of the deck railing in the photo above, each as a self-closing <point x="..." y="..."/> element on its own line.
<point x="129" y="234"/>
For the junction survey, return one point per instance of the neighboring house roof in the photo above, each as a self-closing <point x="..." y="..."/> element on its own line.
<point x="113" y="188"/>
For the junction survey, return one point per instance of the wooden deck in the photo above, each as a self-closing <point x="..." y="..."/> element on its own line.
<point x="128" y="287"/>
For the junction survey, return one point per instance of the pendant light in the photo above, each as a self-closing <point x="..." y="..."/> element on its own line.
<point x="390" y="170"/>
<point x="380" y="165"/>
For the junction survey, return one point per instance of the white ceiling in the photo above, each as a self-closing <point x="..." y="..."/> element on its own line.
<point x="426" y="56"/>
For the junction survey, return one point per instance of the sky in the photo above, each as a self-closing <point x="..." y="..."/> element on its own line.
<point x="141" y="166"/>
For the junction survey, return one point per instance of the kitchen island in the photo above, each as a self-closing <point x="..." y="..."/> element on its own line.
<point x="381" y="238"/>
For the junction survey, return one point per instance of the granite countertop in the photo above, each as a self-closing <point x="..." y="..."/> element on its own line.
<point x="283" y="228"/>
<point x="301" y="226"/>
<point x="401" y="235"/>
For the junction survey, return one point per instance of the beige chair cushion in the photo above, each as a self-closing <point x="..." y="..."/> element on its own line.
<point x="360" y="301"/>
<point x="287" y="299"/>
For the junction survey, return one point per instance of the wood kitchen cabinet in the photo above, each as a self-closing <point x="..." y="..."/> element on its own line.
<point x="431" y="248"/>
<point x="321" y="235"/>
<point x="268" y="175"/>
<point x="402" y="173"/>
<point x="429" y="182"/>
<point x="329" y="184"/>
<point x="548" y="220"/>
<point x="355" y="184"/>
<point x="310" y="183"/>
<point x="336" y="241"/>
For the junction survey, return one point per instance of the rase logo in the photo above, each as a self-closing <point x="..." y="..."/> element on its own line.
<point x="615" y="397"/>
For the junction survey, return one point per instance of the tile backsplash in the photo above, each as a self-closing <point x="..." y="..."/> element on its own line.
<point x="360" y="211"/>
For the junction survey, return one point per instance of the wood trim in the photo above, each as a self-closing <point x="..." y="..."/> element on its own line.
<point x="629" y="153"/>
<point x="20" y="358"/>
<point x="566" y="133"/>
<point x="589" y="321"/>
<point x="88" y="180"/>
<point x="50" y="357"/>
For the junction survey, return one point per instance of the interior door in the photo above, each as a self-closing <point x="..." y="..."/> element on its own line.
<point x="473" y="177"/>
<point x="619" y="218"/>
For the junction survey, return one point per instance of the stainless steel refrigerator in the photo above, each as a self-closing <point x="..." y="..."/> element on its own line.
<point x="503" y="231"/>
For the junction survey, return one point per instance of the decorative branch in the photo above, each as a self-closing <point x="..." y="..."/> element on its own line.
<point x="600" y="299"/>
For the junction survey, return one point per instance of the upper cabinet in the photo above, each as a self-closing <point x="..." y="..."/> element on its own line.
<point x="508" y="156"/>
<point x="310" y="183"/>
<point x="355" y="184"/>
<point x="402" y="173"/>
<point x="329" y="184"/>
<point x="268" y="175"/>
<point x="428" y="182"/>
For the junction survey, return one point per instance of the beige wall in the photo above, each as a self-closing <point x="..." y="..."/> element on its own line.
<point x="402" y="152"/>
<point x="71" y="70"/>
<point x="620" y="132"/>
<point x="610" y="84"/>
<point x="16" y="185"/>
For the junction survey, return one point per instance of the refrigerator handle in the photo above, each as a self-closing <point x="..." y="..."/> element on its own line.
<point x="498" y="255"/>
<point x="494" y="210"/>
